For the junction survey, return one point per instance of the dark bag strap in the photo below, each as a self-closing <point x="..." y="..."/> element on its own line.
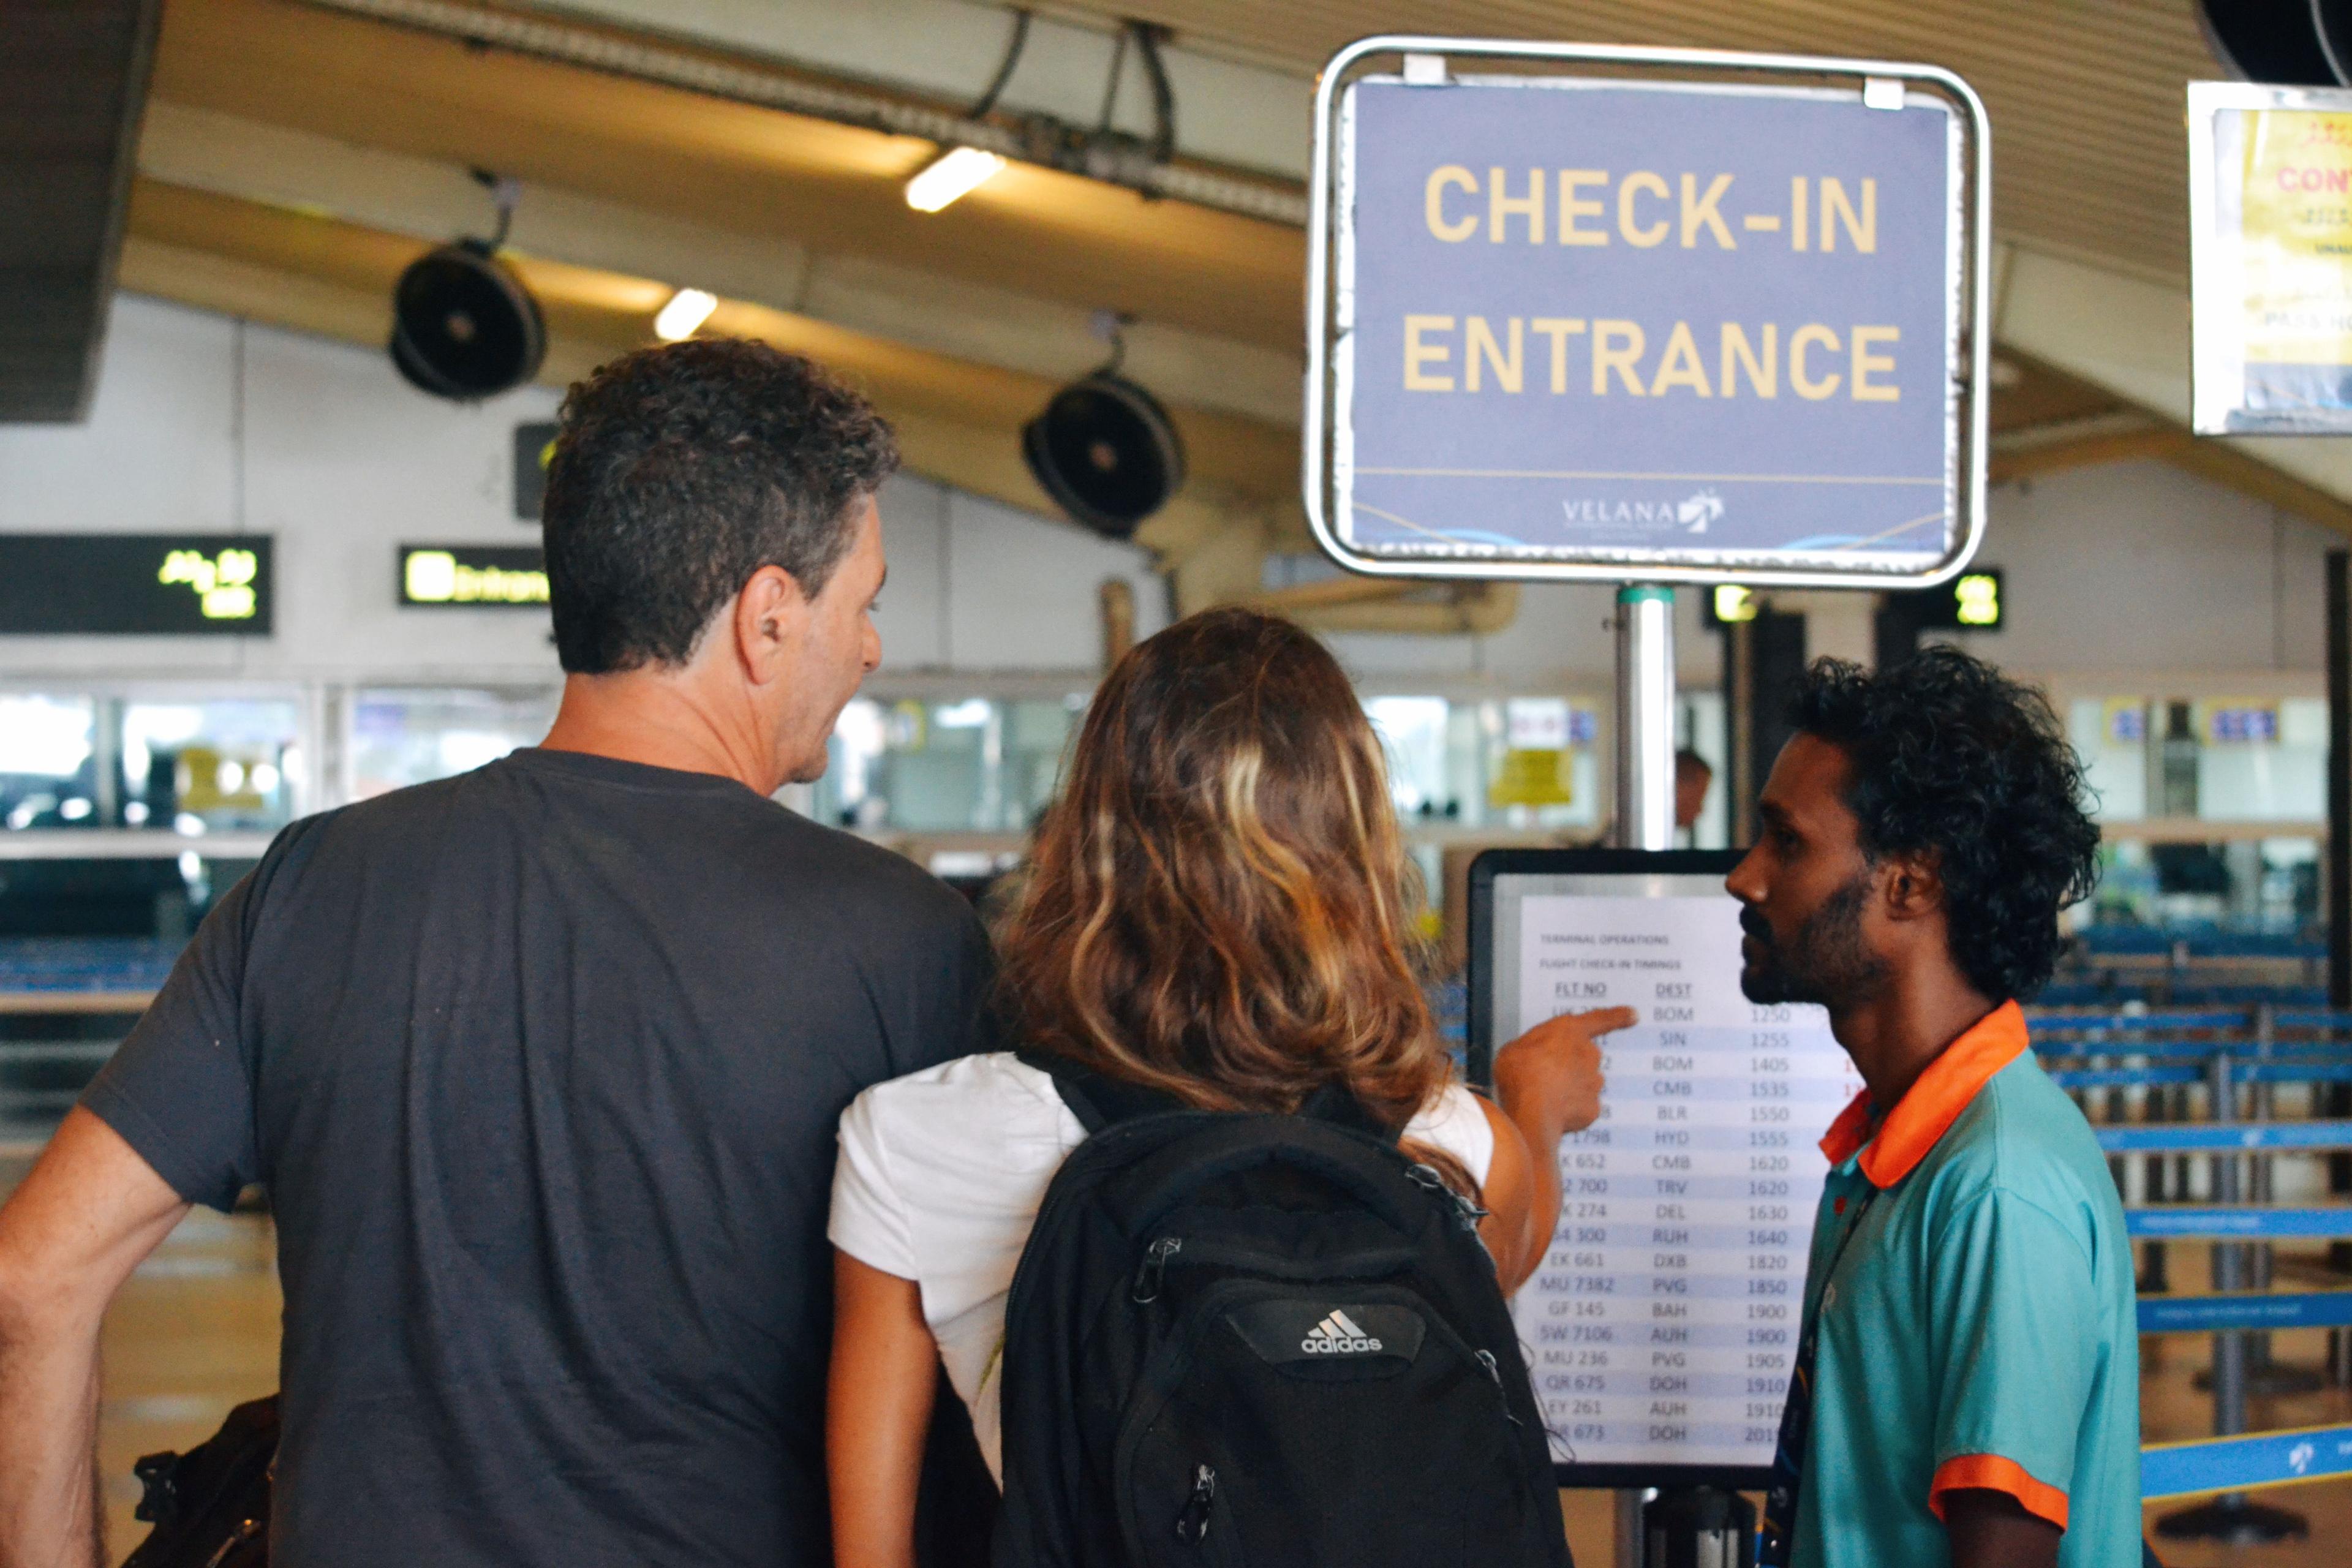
<point x="1100" y="1101"/>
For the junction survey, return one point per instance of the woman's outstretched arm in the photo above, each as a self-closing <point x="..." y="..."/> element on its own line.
<point x="878" y="1410"/>
<point x="1547" y="1084"/>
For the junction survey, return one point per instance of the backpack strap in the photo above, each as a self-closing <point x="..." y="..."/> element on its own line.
<point x="1101" y="1101"/>
<point x="1096" y="1101"/>
<point x="1333" y="1103"/>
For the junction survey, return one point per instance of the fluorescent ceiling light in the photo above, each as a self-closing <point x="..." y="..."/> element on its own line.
<point x="958" y="172"/>
<point x="687" y="308"/>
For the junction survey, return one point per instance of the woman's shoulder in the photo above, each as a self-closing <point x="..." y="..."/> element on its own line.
<point x="967" y="1103"/>
<point x="1454" y="1120"/>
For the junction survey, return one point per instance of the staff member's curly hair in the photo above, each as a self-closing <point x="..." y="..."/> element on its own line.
<point x="1952" y="758"/>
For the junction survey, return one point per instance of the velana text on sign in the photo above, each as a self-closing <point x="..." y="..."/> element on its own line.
<point x="1728" y="325"/>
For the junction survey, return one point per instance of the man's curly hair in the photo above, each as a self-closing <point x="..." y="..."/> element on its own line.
<point x="681" y="470"/>
<point x="1951" y="758"/>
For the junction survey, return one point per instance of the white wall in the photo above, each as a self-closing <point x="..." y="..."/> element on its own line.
<point x="2139" y="567"/>
<point x="204" y="423"/>
<point x="2126" y="570"/>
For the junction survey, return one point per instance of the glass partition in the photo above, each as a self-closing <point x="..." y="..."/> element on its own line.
<point x="2110" y="734"/>
<point x="48" y="761"/>
<point x="973" y="765"/>
<point x="2262" y="761"/>
<point x="216" y="764"/>
<point x="403" y="736"/>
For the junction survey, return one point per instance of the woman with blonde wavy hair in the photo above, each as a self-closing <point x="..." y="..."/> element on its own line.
<point x="1215" y="909"/>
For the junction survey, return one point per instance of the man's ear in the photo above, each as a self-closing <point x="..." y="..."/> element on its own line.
<point x="1913" y="884"/>
<point x="768" y="616"/>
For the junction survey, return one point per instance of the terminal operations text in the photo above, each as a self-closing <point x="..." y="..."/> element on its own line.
<point x="1604" y="322"/>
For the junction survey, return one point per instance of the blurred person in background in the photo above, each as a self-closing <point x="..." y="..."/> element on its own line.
<point x="1694" y="777"/>
<point x="1967" y="1382"/>
<point x="541" y="1065"/>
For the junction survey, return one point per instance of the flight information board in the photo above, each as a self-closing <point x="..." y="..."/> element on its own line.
<point x="1661" y="1327"/>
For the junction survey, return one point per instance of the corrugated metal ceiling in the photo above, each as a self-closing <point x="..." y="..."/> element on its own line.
<point x="2086" y="95"/>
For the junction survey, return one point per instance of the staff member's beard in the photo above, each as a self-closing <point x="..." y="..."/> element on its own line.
<point x="1826" y="961"/>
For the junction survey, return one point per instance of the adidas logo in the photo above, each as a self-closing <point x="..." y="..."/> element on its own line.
<point x="1339" y="1334"/>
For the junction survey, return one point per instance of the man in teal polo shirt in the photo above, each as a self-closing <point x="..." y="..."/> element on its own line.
<point x="1967" y="1386"/>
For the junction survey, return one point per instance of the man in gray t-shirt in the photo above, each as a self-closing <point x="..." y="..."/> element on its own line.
<point x="541" y="1065"/>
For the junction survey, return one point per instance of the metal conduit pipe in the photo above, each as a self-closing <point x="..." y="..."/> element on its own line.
<point x="1111" y="157"/>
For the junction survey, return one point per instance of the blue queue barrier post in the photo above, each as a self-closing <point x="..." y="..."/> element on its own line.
<point x="2266" y="1378"/>
<point x="2232" y="1518"/>
<point x="2155" y="1278"/>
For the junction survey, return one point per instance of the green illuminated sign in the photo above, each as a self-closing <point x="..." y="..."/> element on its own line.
<point x="1978" y="597"/>
<point x="472" y="576"/>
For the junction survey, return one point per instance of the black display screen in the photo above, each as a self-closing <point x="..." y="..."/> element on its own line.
<point x="533" y="445"/>
<point x="110" y="584"/>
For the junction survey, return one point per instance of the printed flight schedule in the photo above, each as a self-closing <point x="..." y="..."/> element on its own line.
<point x="1663" y="1324"/>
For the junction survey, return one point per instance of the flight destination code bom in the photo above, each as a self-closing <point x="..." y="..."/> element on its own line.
<point x="1662" y="1322"/>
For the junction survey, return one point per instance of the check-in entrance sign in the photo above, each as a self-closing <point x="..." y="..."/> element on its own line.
<point x="1610" y="327"/>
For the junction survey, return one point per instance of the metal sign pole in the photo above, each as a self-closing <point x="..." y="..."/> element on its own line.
<point x="1646" y="820"/>
<point x="1646" y="716"/>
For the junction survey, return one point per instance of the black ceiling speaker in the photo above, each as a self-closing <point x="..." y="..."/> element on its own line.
<point x="463" y="325"/>
<point x="2275" y="41"/>
<point x="1106" y="452"/>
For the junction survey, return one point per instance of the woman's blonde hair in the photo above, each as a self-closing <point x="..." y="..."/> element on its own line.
<point x="1216" y="906"/>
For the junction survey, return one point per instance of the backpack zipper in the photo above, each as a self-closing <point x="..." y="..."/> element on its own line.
<point x="1464" y="1211"/>
<point x="1495" y="1369"/>
<point x="1155" y="1266"/>
<point x="1193" y="1518"/>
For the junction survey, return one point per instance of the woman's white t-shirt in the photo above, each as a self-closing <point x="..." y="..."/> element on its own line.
<point x="940" y="1176"/>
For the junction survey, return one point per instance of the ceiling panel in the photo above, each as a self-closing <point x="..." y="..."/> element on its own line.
<point x="2085" y="98"/>
<point x="756" y="170"/>
<point x="73" y="77"/>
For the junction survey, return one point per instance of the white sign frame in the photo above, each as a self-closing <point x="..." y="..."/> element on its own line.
<point x="1968" y="432"/>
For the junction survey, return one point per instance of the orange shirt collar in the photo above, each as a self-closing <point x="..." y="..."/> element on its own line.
<point x="1931" y="1104"/>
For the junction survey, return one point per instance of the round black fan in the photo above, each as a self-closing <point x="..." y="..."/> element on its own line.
<point x="463" y="326"/>
<point x="1106" y="452"/>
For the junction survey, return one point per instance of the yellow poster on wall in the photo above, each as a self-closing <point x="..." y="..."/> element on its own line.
<point x="1532" y="775"/>
<point x="2297" y="229"/>
<point x="2269" y="205"/>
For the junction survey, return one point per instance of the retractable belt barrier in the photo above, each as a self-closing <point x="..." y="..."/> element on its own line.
<point x="2239" y="1311"/>
<point x="2223" y="1137"/>
<point x="2124" y="1077"/>
<point x="2237" y="1056"/>
<point x="2224" y="1465"/>
<point x="2239" y="1222"/>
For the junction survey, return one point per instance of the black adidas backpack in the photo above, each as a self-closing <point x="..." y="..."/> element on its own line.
<point x="1261" y="1340"/>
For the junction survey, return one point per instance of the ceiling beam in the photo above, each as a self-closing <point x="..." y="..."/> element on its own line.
<point x="73" y="81"/>
<point x="1227" y="112"/>
<point x="1242" y="461"/>
<point x="958" y="422"/>
<point x="758" y="171"/>
<point x="203" y="149"/>
<point x="2130" y="338"/>
<point x="2053" y="448"/>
